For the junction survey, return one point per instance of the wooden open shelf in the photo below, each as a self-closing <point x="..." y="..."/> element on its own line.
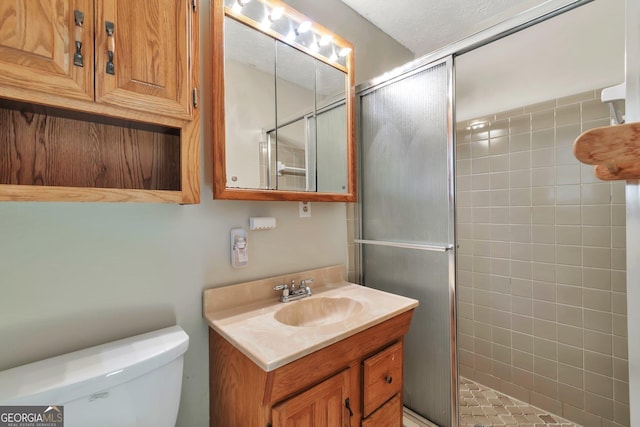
<point x="53" y="154"/>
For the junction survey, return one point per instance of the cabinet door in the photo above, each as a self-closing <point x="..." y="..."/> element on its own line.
<point x="37" y="46"/>
<point x="144" y="49"/>
<point x="321" y="406"/>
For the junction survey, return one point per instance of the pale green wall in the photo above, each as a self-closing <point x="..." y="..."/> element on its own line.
<point x="74" y="275"/>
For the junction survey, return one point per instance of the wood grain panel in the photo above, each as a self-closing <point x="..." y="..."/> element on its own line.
<point x="320" y="406"/>
<point x="190" y="159"/>
<point x="46" y="150"/>
<point x="236" y="387"/>
<point x="23" y="193"/>
<point x="382" y="377"/>
<point x="389" y="415"/>
<point x="37" y="43"/>
<point x="40" y="41"/>
<point x="190" y="135"/>
<point x="152" y="55"/>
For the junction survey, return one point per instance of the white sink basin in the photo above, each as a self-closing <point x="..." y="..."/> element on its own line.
<point x="249" y="316"/>
<point x="318" y="311"/>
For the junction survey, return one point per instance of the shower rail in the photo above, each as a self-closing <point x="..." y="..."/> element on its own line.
<point x="290" y="170"/>
<point x="420" y="247"/>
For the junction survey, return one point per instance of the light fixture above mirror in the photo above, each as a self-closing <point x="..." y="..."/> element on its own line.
<point x="297" y="30"/>
<point x="283" y="105"/>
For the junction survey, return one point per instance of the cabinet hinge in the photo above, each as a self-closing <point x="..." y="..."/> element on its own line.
<point x="194" y="5"/>
<point x="195" y="98"/>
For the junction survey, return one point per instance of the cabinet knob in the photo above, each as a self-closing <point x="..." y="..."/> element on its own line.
<point x="389" y="379"/>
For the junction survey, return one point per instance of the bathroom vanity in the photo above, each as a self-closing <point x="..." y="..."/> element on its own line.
<point x="332" y="359"/>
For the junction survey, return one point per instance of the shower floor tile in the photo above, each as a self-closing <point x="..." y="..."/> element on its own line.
<point x="481" y="406"/>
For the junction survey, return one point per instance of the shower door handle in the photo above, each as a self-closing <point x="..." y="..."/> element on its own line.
<point x="418" y="246"/>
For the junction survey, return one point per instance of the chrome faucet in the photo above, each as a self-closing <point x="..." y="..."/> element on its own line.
<point x="291" y="293"/>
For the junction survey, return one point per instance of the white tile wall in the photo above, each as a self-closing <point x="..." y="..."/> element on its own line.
<point x="541" y="260"/>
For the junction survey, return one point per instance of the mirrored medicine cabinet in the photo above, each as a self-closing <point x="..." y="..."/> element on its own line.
<point x="283" y="116"/>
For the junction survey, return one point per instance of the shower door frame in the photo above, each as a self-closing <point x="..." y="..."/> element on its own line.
<point x="533" y="16"/>
<point x="448" y="249"/>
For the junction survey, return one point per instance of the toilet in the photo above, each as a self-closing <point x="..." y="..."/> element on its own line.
<point x="131" y="382"/>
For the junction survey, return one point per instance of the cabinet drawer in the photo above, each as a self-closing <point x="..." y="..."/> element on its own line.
<point x="389" y="415"/>
<point x="382" y="377"/>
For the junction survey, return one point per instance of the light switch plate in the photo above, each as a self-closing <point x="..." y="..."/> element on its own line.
<point x="304" y="209"/>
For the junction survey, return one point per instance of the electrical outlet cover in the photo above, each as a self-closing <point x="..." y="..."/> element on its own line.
<point x="304" y="209"/>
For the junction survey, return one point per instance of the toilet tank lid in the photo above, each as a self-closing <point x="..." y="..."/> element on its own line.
<point x="100" y="367"/>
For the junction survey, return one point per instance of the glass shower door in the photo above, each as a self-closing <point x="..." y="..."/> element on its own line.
<point x="407" y="235"/>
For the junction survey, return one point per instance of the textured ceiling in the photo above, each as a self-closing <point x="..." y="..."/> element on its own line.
<point x="423" y="26"/>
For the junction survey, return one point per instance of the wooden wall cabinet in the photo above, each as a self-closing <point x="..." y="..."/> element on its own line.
<point x="87" y="69"/>
<point x="353" y="382"/>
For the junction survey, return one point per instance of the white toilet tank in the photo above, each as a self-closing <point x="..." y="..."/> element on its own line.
<point x="131" y="382"/>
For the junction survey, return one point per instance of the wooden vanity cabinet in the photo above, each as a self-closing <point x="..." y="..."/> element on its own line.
<point x="83" y="69"/>
<point x="354" y="382"/>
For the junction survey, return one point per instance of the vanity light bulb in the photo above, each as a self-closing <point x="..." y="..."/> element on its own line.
<point x="333" y="57"/>
<point x="276" y="14"/>
<point x="291" y="36"/>
<point x="344" y="52"/>
<point x="238" y="5"/>
<point x="325" y="40"/>
<point x="304" y="27"/>
<point x="314" y="47"/>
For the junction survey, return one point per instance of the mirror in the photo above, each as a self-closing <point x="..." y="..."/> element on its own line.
<point x="283" y="106"/>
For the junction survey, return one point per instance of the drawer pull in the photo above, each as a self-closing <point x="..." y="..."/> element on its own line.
<point x="347" y="405"/>
<point x="347" y="419"/>
<point x="111" y="47"/>
<point x="389" y="380"/>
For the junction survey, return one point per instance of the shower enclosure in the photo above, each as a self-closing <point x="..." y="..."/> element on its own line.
<point x="530" y="307"/>
<point x="541" y="275"/>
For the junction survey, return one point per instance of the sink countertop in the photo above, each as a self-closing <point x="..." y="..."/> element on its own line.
<point x="250" y="326"/>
